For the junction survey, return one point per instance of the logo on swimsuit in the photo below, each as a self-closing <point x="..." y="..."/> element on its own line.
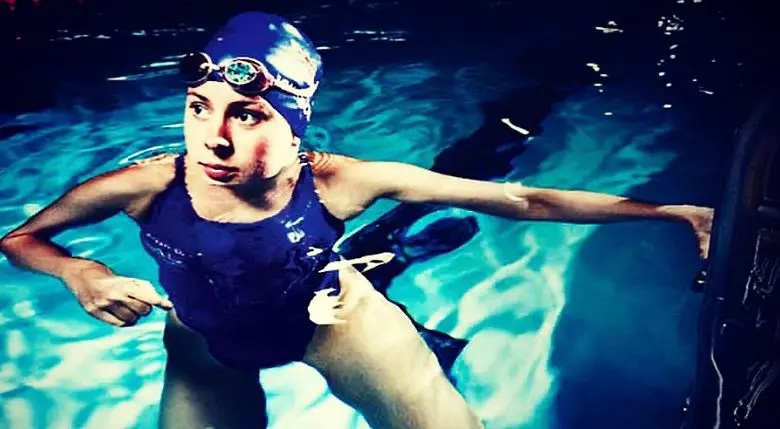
<point x="164" y="252"/>
<point x="295" y="234"/>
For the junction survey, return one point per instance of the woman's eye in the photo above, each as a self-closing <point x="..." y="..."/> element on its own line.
<point x="247" y="117"/>
<point x="199" y="110"/>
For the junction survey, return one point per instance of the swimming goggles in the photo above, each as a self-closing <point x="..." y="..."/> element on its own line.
<point x="245" y="74"/>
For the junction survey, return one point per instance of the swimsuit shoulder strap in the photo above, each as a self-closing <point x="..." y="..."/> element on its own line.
<point x="179" y="162"/>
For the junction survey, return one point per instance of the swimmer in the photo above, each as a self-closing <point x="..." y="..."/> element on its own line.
<point x="231" y="223"/>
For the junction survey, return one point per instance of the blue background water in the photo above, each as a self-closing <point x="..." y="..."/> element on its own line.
<point x="571" y="326"/>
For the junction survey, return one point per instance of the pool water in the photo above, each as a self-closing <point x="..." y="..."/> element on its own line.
<point x="570" y="326"/>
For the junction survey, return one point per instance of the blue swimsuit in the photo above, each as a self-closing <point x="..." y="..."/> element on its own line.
<point x="245" y="286"/>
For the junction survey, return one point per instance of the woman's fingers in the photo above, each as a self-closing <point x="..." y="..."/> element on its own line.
<point x="137" y="306"/>
<point x="109" y="318"/>
<point x="325" y="309"/>
<point x="142" y="290"/>
<point x="124" y="300"/>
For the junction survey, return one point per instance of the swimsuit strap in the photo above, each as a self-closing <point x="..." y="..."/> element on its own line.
<point x="179" y="162"/>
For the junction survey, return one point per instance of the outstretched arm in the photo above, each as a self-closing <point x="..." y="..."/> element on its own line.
<point x="409" y="183"/>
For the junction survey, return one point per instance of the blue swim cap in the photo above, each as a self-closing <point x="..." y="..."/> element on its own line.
<point x="285" y="51"/>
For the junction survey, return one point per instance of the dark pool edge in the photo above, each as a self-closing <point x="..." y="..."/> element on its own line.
<point x="737" y="382"/>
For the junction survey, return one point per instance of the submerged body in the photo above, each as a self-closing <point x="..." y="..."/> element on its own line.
<point x="245" y="305"/>
<point x="244" y="286"/>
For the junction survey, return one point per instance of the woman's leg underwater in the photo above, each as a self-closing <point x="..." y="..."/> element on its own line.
<point x="377" y="363"/>
<point x="201" y="393"/>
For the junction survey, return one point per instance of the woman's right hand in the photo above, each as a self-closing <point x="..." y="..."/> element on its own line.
<point x="117" y="300"/>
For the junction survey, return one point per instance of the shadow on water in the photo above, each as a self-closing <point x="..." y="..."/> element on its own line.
<point x="485" y="155"/>
<point x="625" y="344"/>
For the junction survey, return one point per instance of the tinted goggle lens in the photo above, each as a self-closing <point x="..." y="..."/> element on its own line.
<point x="194" y="67"/>
<point x="241" y="73"/>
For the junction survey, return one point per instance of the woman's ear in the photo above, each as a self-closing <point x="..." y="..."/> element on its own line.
<point x="296" y="142"/>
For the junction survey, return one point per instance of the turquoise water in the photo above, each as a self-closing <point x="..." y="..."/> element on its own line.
<point x="571" y="326"/>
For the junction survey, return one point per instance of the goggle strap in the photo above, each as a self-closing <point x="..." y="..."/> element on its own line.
<point x="278" y="81"/>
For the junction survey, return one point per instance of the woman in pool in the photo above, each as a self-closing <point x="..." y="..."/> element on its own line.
<point x="242" y="227"/>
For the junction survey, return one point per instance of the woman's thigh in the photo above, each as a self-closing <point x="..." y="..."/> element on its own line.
<point x="199" y="392"/>
<point x="377" y="363"/>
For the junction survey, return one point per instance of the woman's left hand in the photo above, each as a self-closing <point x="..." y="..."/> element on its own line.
<point x="700" y="219"/>
<point x="326" y="309"/>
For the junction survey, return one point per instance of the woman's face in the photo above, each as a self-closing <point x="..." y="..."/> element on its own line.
<point x="235" y="139"/>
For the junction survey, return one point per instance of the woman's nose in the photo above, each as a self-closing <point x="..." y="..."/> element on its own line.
<point x="220" y="146"/>
<point x="217" y="142"/>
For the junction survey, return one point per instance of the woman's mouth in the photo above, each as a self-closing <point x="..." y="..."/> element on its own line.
<point x="220" y="173"/>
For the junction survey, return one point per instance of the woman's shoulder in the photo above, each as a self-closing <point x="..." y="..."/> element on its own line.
<point x="145" y="179"/>
<point x="138" y="178"/>
<point x="342" y="183"/>
<point x="152" y="174"/>
<point x="327" y="165"/>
